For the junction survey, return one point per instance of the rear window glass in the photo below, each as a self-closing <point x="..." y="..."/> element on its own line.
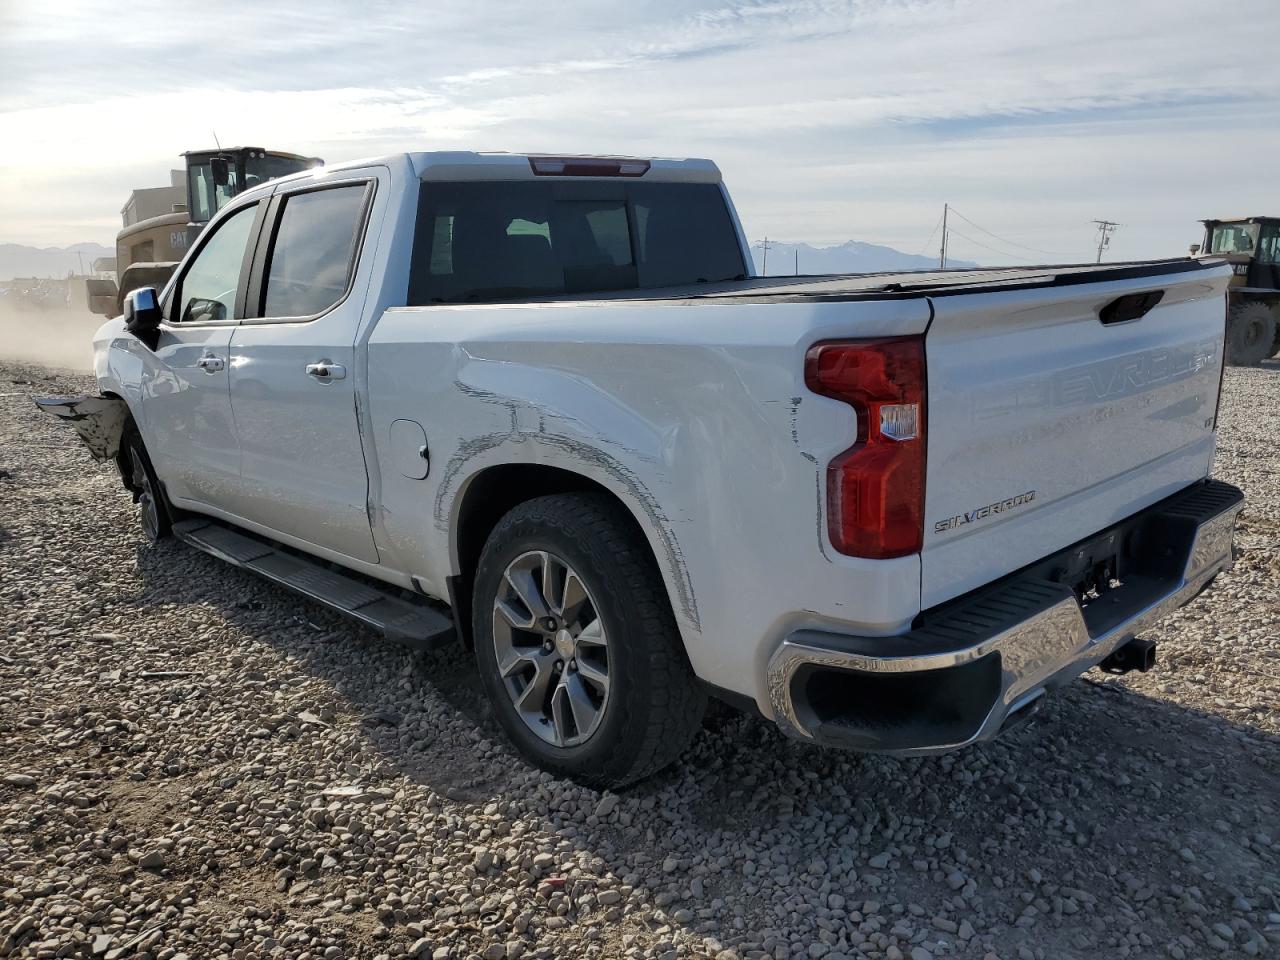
<point x="483" y="241"/>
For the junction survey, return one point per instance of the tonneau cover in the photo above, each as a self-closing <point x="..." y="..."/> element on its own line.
<point x="879" y="286"/>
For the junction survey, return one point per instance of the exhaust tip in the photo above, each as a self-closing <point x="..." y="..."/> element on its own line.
<point x="1137" y="654"/>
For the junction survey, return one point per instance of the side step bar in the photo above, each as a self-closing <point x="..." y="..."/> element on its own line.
<point x="413" y="624"/>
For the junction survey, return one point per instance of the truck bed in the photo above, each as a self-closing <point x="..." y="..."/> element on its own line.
<point x="1046" y="419"/>
<point x="880" y="286"/>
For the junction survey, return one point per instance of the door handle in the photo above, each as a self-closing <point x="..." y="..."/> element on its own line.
<point x="211" y="364"/>
<point x="326" y="371"/>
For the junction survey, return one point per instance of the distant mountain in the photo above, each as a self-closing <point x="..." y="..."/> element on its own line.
<point x="851" y="257"/>
<point x="19" y="260"/>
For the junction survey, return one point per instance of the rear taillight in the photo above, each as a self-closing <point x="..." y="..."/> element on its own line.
<point x="875" y="489"/>
<point x="588" y="167"/>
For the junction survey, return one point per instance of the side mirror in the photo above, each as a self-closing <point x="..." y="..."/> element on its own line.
<point x="142" y="315"/>
<point x="220" y="169"/>
<point x="200" y="310"/>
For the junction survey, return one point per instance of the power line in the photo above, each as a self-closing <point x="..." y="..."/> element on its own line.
<point x="1003" y="253"/>
<point x="1005" y="240"/>
<point x="947" y="231"/>
<point x="932" y="233"/>
<point x="942" y="258"/>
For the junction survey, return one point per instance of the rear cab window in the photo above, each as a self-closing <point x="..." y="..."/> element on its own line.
<point x="480" y="241"/>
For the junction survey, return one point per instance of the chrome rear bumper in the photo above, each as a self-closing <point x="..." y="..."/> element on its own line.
<point x="974" y="665"/>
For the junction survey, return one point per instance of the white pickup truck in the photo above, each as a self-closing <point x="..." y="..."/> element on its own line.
<point x="886" y="512"/>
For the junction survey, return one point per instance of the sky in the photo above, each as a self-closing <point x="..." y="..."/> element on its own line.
<point x="830" y="119"/>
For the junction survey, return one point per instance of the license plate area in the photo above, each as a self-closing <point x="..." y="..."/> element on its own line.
<point x="1116" y="573"/>
<point x="1093" y="569"/>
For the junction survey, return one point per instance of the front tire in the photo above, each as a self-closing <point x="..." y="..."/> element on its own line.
<point x="1251" y="333"/>
<point x="156" y="515"/>
<point x="577" y="646"/>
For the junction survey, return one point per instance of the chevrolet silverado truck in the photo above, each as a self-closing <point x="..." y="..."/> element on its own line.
<point x="540" y="406"/>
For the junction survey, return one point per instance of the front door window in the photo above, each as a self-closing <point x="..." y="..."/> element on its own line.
<point x="208" y="290"/>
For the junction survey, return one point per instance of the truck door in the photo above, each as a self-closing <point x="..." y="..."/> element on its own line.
<point x="186" y="402"/>
<point x="293" y="369"/>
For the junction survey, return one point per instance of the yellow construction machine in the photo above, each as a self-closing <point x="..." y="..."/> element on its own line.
<point x="1252" y="246"/>
<point x="160" y="223"/>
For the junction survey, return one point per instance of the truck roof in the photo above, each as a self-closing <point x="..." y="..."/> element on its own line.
<point x="454" y="165"/>
<point x="471" y="165"/>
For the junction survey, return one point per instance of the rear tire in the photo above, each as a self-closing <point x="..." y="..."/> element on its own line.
<point x="1251" y="333"/>
<point x="140" y="477"/>
<point x="589" y="677"/>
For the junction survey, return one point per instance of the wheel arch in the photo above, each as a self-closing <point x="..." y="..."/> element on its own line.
<point x="128" y="424"/>
<point x="490" y="495"/>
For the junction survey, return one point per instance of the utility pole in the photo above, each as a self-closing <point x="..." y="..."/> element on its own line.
<point x="797" y="260"/>
<point x="942" y="258"/>
<point x="1105" y="229"/>
<point x="764" y="262"/>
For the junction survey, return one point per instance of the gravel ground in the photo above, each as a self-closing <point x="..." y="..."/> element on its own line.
<point x="196" y="764"/>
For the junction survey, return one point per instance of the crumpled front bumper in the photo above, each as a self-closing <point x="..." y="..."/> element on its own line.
<point x="99" y="421"/>
<point x="974" y="665"/>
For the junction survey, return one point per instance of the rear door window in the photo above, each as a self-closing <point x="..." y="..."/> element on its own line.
<point x="313" y="252"/>
<point x="484" y="241"/>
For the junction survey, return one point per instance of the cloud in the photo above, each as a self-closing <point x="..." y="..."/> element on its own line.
<point x="830" y="119"/>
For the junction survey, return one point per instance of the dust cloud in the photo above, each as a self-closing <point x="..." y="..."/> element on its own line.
<point x="55" y="338"/>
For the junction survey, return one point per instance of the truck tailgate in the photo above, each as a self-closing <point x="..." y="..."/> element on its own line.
<point x="1046" y="424"/>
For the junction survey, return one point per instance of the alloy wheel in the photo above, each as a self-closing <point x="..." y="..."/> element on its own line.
<point x="551" y="648"/>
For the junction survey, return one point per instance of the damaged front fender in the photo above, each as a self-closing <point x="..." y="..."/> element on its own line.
<point x="98" y="420"/>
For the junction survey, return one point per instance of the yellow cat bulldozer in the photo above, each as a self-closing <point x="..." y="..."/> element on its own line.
<point x="1252" y="246"/>
<point x="160" y="223"/>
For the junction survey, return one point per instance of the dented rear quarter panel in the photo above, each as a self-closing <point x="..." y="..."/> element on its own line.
<point x="696" y="417"/>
